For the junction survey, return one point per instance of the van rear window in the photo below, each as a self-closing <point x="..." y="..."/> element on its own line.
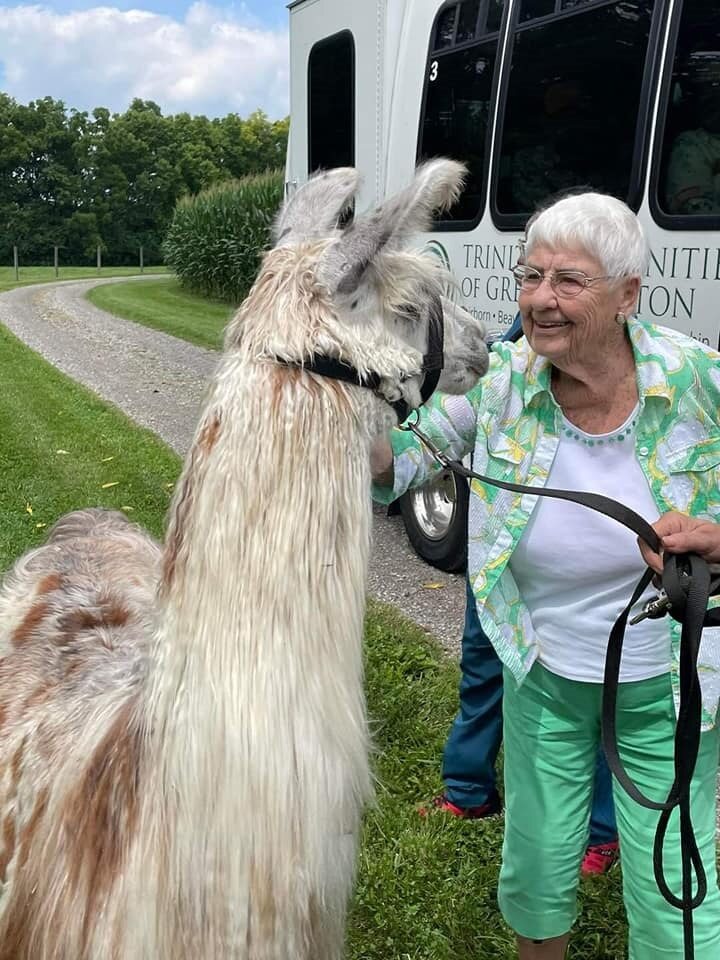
<point x="689" y="185"/>
<point x="331" y="103"/>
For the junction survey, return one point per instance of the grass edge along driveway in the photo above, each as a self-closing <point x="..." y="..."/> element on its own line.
<point x="28" y="276"/>
<point x="163" y="305"/>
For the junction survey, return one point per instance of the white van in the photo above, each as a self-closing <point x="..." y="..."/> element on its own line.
<point x="535" y="96"/>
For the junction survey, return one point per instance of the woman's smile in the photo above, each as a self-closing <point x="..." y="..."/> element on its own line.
<point x="550" y="324"/>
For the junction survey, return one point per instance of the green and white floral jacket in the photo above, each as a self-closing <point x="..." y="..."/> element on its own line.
<point x="511" y="424"/>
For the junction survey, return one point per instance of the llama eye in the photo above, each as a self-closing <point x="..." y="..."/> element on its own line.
<point x="354" y="304"/>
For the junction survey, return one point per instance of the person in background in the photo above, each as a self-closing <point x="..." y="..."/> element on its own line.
<point x="692" y="184"/>
<point x="541" y="169"/>
<point x="473" y="743"/>
<point x="590" y="398"/>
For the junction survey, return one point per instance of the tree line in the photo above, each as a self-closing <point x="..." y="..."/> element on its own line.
<point x="80" y="179"/>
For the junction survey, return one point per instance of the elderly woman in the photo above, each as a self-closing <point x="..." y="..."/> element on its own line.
<point x="590" y="399"/>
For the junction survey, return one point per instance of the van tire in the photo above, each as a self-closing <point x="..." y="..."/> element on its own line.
<point x="435" y="518"/>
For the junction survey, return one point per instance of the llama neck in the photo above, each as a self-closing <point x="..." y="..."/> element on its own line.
<point x="270" y="528"/>
<point x="257" y="707"/>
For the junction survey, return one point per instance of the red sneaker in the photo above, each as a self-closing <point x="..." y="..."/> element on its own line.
<point x="600" y="858"/>
<point x="444" y="805"/>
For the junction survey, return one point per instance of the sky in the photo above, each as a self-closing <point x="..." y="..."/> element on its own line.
<point x="200" y="57"/>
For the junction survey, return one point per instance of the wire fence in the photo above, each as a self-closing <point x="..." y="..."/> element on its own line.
<point x="54" y="260"/>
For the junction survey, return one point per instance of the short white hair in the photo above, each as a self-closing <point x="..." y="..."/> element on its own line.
<point x="599" y="225"/>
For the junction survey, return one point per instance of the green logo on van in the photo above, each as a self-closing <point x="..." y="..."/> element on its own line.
<point x="438" y="250"/>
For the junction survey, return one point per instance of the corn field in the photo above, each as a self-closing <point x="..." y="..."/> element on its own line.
<point x="216" y="238"/>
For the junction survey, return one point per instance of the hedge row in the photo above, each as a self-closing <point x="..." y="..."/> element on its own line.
<point x="217" y="237"/>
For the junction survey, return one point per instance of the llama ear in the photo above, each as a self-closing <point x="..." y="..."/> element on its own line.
<point x="313" y="211"/>
<point x="436" y="186"/>
<point x="392" y="225"/>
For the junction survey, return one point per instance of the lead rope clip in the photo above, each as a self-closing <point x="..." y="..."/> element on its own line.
<point x="655" y="608"/>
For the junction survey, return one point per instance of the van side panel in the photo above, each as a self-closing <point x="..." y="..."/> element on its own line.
<point x="392" y="42"/>
<point x="317" y="20"/>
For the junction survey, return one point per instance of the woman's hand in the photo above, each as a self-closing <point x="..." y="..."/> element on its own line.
<point x="381" y="462"/>
<point x="681" y="534"/>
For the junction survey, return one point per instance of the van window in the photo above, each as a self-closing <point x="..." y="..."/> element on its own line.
<point x="331" y="103"/>
<point x="573" y="103"/>
<point x="445" y="27"/>
<point x="531" y="9"/>
<point x="494" y="15"/>
<point x="458" y="23"/>
<point x="690" y="164"/>
<point x="467" y="22"/>
<point x="458" y="91"/>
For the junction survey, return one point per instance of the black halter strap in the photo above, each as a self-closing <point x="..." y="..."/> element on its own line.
<point x="434" y="358"/>
<point x="336" y="369"/>
<point x="431" y="367"/>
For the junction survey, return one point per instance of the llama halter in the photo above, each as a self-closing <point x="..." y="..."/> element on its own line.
<point x="431" y="368"/>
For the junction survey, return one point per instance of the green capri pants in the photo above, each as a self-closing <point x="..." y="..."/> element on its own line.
<point x="551" y="737"/>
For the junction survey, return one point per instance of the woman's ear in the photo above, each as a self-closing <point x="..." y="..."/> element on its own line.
<point x="629" y="294"/>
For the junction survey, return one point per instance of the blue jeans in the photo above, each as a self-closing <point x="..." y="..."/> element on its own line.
<point x="474" y="740"/>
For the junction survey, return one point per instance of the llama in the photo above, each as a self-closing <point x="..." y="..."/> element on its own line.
<point x="183" y="743"/>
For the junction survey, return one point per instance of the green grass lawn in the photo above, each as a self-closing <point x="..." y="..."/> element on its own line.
<point x="28" y="275"/>
<point x="164" y="305"/>
<point x="426" y="888"/>
<point x="62" y="448"/>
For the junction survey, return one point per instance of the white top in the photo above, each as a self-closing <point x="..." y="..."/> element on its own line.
<point x="576" y="569"/>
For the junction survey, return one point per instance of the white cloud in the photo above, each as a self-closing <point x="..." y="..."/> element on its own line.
<point x="215" y="61"/>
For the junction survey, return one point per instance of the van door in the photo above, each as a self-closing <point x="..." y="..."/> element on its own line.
<point x="335" y="90"/>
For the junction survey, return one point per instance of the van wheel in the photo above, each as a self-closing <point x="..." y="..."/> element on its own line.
<point x="435" y="517"/>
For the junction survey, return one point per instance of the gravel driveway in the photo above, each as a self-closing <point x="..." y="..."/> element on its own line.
<point x="158" y="381"/>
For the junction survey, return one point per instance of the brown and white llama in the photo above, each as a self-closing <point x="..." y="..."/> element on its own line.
<point x="183" y="743"/>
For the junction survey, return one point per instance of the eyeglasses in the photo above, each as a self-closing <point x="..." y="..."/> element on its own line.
<point x="565" y="283"/>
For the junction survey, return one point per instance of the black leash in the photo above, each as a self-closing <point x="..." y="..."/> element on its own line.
<point x="686" y="578"/>
<point x="686" y="590"/>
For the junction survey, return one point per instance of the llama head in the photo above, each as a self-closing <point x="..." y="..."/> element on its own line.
<point x="382" y="301"/>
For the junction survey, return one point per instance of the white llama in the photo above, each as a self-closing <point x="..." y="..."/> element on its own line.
<point x="183" y="743"/>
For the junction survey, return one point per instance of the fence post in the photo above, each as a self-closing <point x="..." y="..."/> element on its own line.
<point x="142" y="264"/>
<point x="55" y="260"/>
<point x="16" y="263"/>
<point x="99" y="258"/>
